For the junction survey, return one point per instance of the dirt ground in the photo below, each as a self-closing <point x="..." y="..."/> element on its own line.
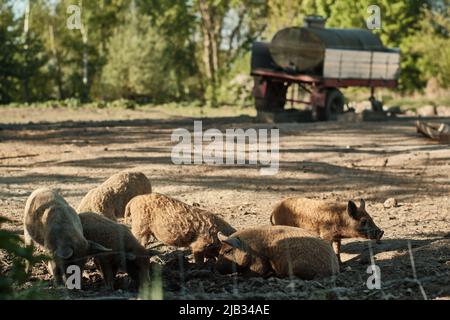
<point x="78" y="149"/>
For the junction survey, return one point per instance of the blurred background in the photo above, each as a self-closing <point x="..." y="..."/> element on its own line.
<point x="195" y="52"/>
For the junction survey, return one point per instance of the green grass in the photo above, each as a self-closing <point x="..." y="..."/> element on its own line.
<point x="154" y="290"/>
<point x="121" y="108"/>
<point x="195" y="109"/>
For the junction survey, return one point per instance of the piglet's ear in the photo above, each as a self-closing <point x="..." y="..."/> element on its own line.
<point x="362" y="204"/>
<point x="232" y="241"/>
<point x="352" y="210"/>
<point x="95" y="248"/>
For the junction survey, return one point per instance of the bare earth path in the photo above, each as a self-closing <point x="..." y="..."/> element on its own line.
<point x="334" y="160"/>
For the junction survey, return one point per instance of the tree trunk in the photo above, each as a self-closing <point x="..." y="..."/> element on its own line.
<point x="57" y="64"/>
<point x="211" y="27"/>
<point x="84" y="35"/>
<point x="25" y="78"/>
<point x="205" y="13"/>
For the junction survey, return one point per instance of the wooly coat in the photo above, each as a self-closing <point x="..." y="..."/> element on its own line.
<point x="331" y="221"/>
<point x="111" y="197"/>
<point x="276" y="250"/>
<point x="51" y="222"/>
<point x="176" y="224"/>
<point x="127" y="254"/>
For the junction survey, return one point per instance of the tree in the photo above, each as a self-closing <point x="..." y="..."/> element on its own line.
<point x="135" y="67"/>
<point x="22" y="59"/>
<point x="227" y="29"/>
<point x="78" y="55"/>
<point x="32" y="58"/>
<point x="205" y="37"/>
<point x="200" y="45"/>
<point x="8" y="62"/>
<point x="212" y="15"/>
<point x="431" y="44"/>
<point x="176" y="22"/>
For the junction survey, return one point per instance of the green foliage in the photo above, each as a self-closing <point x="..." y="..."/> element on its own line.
<point x="161" y="51"/>
<point x="21" y="62"/>
<point x="136" y="62"/>
<point x="31" y="58"/>
<point x="8" y="67"/>
<point x="154" y="290"/>
<point x="431" y="45"/>
<point x="122" y="103"/>
<point x="283" y="14"/>
<point x="238" y="84"/>
<point x="175" y="22"/>
<point x="9" y="78"/>
<point x="20" y="255"/>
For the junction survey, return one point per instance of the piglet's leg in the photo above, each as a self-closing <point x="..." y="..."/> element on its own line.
<point x="337" y="249"/>
<point x="198" y="250"/>
<point x="56" y="272"/>
<point x="199" y="258"/>
<point x="108" y="275"/>
<point x="29" y="243"/>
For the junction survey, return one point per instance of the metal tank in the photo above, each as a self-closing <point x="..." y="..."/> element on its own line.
<point x="302" y="49"/>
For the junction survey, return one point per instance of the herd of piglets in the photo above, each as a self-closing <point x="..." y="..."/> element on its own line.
<point x="299" y="240"/>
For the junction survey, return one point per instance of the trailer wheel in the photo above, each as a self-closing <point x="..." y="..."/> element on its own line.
<point x="334" y="105"/>
<point x="269" y="95"/>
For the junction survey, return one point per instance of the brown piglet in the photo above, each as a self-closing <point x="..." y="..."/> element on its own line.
<point x="331" y="221"/>
<point x="276" y="250"/>
<point x="111" y="197"/>
<point x="127" y="254"/>
<point x="176" y="224"/>
<point x="52" y="223"/>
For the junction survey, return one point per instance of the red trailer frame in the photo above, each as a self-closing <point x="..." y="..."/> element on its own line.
<point x="323" y="91"/>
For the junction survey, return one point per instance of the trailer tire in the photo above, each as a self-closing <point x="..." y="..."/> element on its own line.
<point x="274" y="98"/>
<point x="334" y="105"/>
